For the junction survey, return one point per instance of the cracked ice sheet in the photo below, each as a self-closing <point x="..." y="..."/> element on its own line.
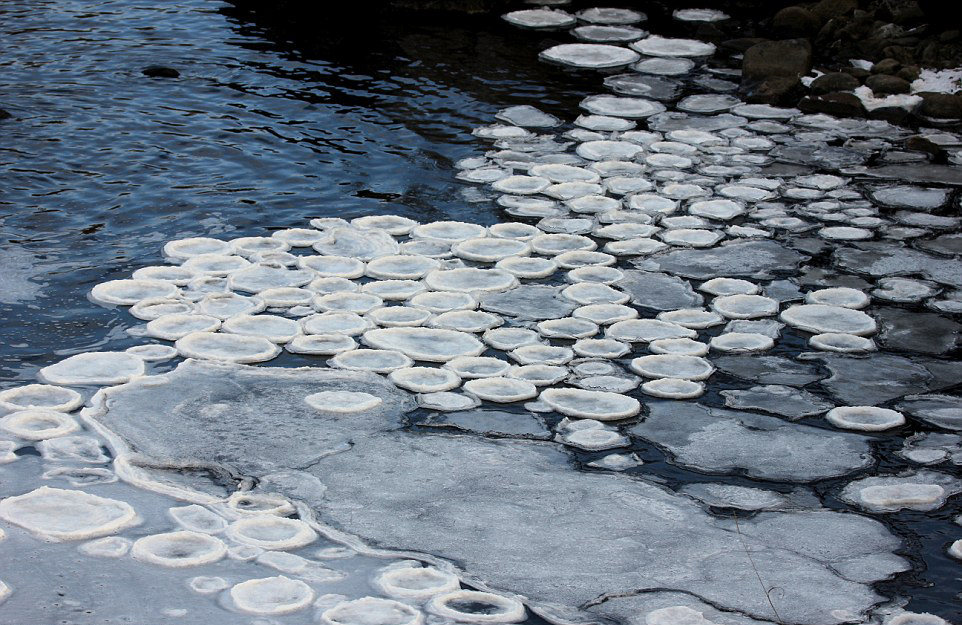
<point x="717" y="440"/>
<point x="513" y="514"/>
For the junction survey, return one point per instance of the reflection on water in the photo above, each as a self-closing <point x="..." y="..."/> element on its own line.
<point x="101" y="164"/>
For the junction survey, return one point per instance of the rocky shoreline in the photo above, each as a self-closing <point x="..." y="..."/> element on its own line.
<point x="860" y="54"/>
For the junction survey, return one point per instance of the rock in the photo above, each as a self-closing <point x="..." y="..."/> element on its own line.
<point x="891" y="114"/>
<point x="5" y="114"/>
<point x="857" y="72"/>
<point x="828" y="9"/>
<point x="835" y="81"/>
<point x="940" y="105"/>
<point x="840" y="104"/>
<point x="778" y="90"/>
<point x="791" y="57"/>
<point x="949" y="35"/>
<point x="741" y="44"/>
<point x="887" y="84"/>
<point x="159" y="71"/>
<point x="795" y="21"/>
<point x="770" y="70"/>
<point x="886" y="66"/>
<point x="909" y="72"/>
<point x="941" y="12"/>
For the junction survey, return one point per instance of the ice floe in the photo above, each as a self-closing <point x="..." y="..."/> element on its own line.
<point x="56" y="515"/>
<point x="98" y="368"/>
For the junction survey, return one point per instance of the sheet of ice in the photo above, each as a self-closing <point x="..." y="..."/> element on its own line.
<point x="736" y="259"/>
<point x="785" y="401"/>
<point x="529" y="302"/>
<point x="267" y="404"/>
<point x="944" y="411"/>
<point x="717" y="440"/>
<point x="876" y="378"/>
<point x="659" y="291"/>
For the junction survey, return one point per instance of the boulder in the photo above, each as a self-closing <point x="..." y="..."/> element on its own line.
<point x="839" y="104"/>
<point x="909" y="72"/>
<point x="159" y="71"/>
<point x="834" y="81"/>
<point x="891" y="114"/>
<point x="940" y="105"/>
<point x="828" y="9"/>
<point x="886" y="66"/>
<point x="884" y="84"/>
<point x="777" y="90"/>
<point x="795" y="22"/>
<point x="786" y="58"/>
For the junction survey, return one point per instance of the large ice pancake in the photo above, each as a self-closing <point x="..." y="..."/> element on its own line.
<point x="512" y="514"/>
<point x="254" y="419"/>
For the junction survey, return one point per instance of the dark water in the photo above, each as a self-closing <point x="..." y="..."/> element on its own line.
<point x="101" y="165"/>
<point x="273" y="121"/>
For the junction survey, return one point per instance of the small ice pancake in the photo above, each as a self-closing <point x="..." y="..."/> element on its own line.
<point x="671" y="388"/>
<point x="865" y="418"/>
<point x="425" y="379"/>
<point x="415" y="583"/>
<point x="179" y="549"/>
<point x="129" y="292"/>
<point x="672" y="366"/>
<point x="173" y="327"/>
<point x="472" y="606"/>
<point x="271" y="532"/>
<point x="227" y="347"/>
<point x="501" y="389"/>
<point x="272" y="595"/>
<point x="822" y="319"/>
<point x="40" y="396"/>
<point x="37" y="424"/>
<point x="372" y="611"/>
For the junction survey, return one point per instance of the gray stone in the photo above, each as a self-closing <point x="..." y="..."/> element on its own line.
<point x="789" y="58"/>
<point x="834" y="81"/>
